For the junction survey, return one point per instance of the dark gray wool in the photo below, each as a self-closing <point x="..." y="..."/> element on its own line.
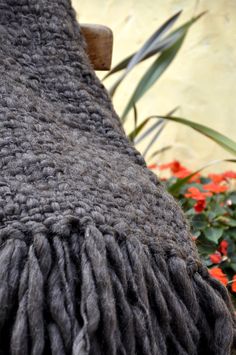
<point x="95" y="257"/>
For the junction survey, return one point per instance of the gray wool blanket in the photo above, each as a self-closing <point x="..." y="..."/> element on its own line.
<point x="96" y="258"/>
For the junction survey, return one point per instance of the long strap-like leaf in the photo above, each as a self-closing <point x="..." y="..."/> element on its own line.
<point x="225" y="142"/>
<point x="152" y="74"/>
<point x="160" y="65"/>
<point x="129" y="62"/>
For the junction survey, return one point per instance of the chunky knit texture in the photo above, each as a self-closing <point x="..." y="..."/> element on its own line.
<point x="95" y="257"/>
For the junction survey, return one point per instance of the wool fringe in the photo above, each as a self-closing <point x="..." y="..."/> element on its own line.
<point x="88" y="293"/>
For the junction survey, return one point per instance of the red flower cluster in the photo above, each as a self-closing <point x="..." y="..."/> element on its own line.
<point x="200" y="206"/>
<point x="229" y="174"/>
<point x="218" y="178"/>
<point x="216" y="257"/>
<point x="179" y="170"/>
<point x="199" y="196"/>
<point x="233" y="285"/>
<point x="215" y="188"/>
<point x="152" y="166"/>
<point x="218" y="274"/>
<point x="223" y="247"/>
<point x="196" y="194"/>
<point x="174" y="166"/>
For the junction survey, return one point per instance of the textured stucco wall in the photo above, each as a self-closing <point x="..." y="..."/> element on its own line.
<point x="201" y="80"/>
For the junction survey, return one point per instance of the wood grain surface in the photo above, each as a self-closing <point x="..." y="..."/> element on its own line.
<point x="99" y="41"/>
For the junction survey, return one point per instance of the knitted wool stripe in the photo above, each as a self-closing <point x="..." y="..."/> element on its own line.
<point x="96" y="258"/>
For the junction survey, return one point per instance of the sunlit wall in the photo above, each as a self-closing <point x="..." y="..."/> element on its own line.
<point x="201" y="80"/>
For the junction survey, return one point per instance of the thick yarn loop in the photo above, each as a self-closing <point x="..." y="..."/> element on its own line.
<point x="96" y="258"/>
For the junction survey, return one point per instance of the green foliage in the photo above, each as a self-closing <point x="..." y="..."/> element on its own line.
<point x="163" y="45"/>
<point x="225" y="142"/>
<point x="153" y="73"/>
<point x="210" y="206"/>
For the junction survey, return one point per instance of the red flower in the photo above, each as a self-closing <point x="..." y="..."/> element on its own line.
<point x="152" y="166"/>
<point x="216" y="178"/>
<point x="230" y="175"/>
<point x="174" y="166"/>
<point x="223" y="247"/>
<point x="233" y="285"/>
<point x="218" y="274"/>
<point x="200" y="206"/>
<point x="195" y="178"/>
<point x="215" y="258"/>
<point x="215" y="188"/>
<point x="179" y="170"/>
<point x="181" y="174"/>
<point x="196" y="194"/>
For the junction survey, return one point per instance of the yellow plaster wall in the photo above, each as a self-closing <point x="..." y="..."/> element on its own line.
<point x="201" y="80"/>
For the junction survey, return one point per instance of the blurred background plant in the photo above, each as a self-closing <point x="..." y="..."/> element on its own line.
<point x="163" y="45"/>
<point x="209" y="201"/>
<point x="200" y="80"/>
